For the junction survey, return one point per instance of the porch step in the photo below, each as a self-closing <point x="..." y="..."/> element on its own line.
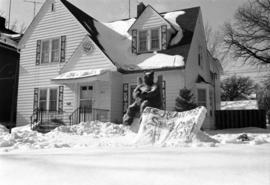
<point x="47" y="127"/>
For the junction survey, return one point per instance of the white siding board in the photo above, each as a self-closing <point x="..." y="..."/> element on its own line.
<point x="116" y="97"/>
<point x="149" y="19"/>
<point x="52" y="24"/>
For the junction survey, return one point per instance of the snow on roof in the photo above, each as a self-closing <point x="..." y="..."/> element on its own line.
<point x="171" y="17"/>
<point x="80" y="74"/>
<point x="239" y="105"/>
<point x="113" y="39"/>
<point x="121" y="27"/>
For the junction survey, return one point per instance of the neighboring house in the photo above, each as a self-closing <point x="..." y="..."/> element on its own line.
<point x="9" y="64"/>
<point x="71" y="60"/>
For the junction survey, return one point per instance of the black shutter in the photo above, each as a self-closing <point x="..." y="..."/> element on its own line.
<point x="38" y="52"/>
<point x="164" y="37"/>
<point x="125" y="97"/>
<point x="63" y="48"/>
<point x="35" y="105"/>
<point x="60" y="98"/>
<point x="164" y="94"/>
<point x="134" y="41"/>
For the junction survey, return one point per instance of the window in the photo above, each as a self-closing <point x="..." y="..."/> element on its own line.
<point x="52" y="7"/>
<point x="202" y="101"/>
<point x="143" y="41"/>
<point x="50" y="50"/>
<point x="48" y="99"/>
<point x="155" y="39"/>
<point x="149" y="40"/>
<point x="200" y="57"/>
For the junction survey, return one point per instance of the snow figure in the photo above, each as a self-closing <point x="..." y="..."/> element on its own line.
<point x="146" y="94"/>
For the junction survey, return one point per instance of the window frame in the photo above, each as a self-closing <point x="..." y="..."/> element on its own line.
<point x="50" y="50"/>
<point x="199" y="102"/>
<point x="149" y="40"/>
<point x="48" y="101"/>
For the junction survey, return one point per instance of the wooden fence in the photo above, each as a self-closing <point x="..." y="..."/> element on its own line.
<point x="240" y="118"/>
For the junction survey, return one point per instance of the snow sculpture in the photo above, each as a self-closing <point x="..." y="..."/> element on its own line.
<point x="169" y="128"/>
<point x="146" y="94"/>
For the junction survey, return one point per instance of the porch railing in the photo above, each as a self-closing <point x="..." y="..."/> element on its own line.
<point x="82" y="114"/>
<point x="46" y="118"/>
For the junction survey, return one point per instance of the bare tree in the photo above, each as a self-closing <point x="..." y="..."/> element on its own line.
<point x="215" y="43"/>
<point x="249" y="36"/>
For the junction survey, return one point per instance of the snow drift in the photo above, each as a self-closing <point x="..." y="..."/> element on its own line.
<point x="158" y="128"/>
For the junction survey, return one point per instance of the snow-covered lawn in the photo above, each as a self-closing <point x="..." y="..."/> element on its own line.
<point x="99" y="153"/>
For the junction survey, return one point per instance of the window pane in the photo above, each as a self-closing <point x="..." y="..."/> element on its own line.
<point x="45" y="51"/>
<point x="43" y="94"/>
<point x="155" y="39"/>
<point x="53" y="94"/>
<point x="86" y="93"/>
<point x="202" y="97"/>
<point x="42" y="105"/>
<point x="53" y="100"/>
<point x="55" y="50"/>
<point x="143" y="41"/>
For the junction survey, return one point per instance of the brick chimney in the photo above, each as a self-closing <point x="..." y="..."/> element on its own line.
<point x="140" y="9"/>
<point x="2" y="23"/>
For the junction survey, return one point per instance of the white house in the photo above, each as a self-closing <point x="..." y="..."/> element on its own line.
<point x="71" y="60"/>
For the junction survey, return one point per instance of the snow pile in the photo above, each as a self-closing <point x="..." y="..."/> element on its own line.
<point x="121" y="27"/>
<point x="250" y="135"/>
<point x="162" y="61"/>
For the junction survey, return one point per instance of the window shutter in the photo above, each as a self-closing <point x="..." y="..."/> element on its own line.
<point x="60" y="98"/>
<point x="134" y="41"/>
<point x="35" y="106"/>
<point x="63" y="48"/>
<point x="38" y="52"/>
<point x="164" y="94"/>
<point x="162" y="90"/>
<point x="125" y="97"/>
<point x="163" y="36"/>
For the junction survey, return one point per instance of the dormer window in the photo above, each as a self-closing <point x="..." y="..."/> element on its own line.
<point x="149" y="40"/>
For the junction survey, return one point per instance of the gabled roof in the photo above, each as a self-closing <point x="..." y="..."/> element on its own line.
<point x="117" y="47"/>
<point x="149" y="8"/>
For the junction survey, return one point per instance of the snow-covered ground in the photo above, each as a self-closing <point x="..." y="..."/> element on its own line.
<point x="104" y="153"/>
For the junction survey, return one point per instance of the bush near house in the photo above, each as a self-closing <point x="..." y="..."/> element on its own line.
<point x="237" y="88"/>
<point x="185" y="101"/>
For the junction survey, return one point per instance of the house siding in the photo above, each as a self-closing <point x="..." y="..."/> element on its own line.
<point x="193" y="69"/>
<point x="52" y="24"/>
<point x="149" y="19"/>
<point x="175" y="81"/>
<point x="116" y="97"/>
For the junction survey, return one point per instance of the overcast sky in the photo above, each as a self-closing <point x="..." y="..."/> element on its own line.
<point x="215" y="12"/>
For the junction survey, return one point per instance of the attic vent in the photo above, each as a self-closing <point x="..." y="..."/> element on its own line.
<point x="52" y="7"/>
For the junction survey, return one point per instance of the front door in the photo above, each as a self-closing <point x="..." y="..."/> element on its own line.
<point x="86" y="99"/>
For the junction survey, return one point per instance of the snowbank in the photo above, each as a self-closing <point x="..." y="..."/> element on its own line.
<point x="98" y="134"/>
